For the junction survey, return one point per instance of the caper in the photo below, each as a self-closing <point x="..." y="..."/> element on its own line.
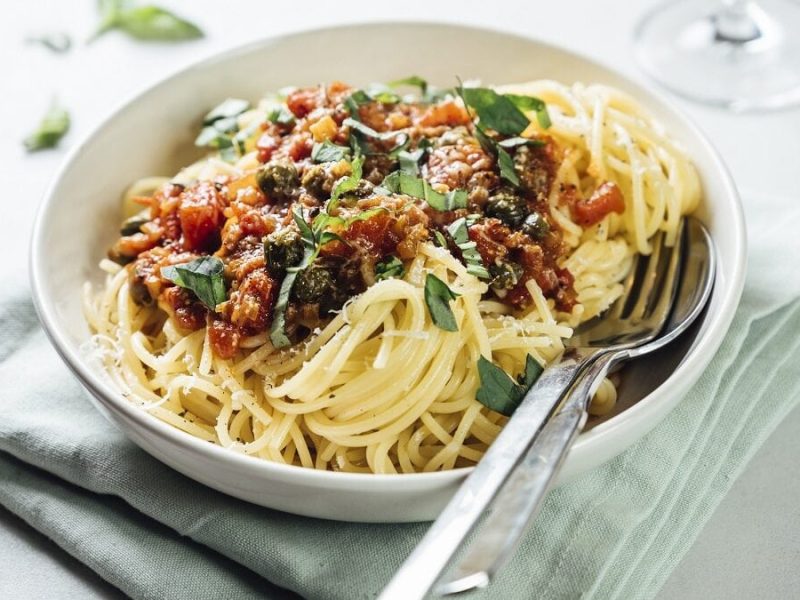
<point x="317" y="181"/>
<point x="505" y="275"/>
<point x="283" y="249"/>
<point x="507" y="206"/>
<point x="535" y="226"/>
<point x="311" y="284"/>
<point x="278" y="180"/>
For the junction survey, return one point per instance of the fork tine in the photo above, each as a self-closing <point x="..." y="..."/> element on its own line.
<point x="650" y="279"/>
<point x="621" y="304"/>
<point x="657" y="313"/>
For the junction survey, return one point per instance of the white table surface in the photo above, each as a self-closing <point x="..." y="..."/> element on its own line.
<point x="751" y="546"/>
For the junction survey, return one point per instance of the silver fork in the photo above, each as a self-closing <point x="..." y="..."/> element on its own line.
<point x="636" y="319"/>
<point x="518" y="502"/>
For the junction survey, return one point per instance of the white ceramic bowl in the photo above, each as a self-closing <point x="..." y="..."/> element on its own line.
<point x="152" y="134"/>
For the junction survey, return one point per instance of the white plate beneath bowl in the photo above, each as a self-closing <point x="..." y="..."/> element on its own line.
<point x="160" y="124"/>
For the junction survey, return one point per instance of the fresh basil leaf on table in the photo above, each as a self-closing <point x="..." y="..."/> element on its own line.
<point x="149" y="22"/>
<point x="51" y="129"/>
<point x="58" y="41"/>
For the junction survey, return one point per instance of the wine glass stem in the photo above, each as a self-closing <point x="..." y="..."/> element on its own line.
<point x="734" y="23"/>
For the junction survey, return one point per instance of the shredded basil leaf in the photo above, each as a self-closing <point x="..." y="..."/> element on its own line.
<point x="58" y="42"/>
<point x="495" y="111"/>
<point x="347" y="184"/>
<point x="327" y="151"/>
<point x="360" y="130"/>
<point x="438" y="296"/>
<point x="277" y="333"/>
<point x="380" y="92"/>
<point x="507" y="169"/>
<point x="532" y="103"/>
<point x="281" y="116"/>
<point x="390" y="267"/>
<point x="498" y="391"/>
<point x="150" y="23"/>
<point x="515" y="142"/>
<point x="133" y="224"/>
<point x="472" y="258"/>
<point x="409" y="161"/>
<point x="51" y="129"/>
<point x="369" y="131"/>
<point x="203" y="276"/>
<point x="504" y="160"/>
<point x="354" y="100"/>
<point x="229" y="108"/>
<point x="221" y="129"/>
<point x="402" y="183"/>
<point x="413" y="81"/>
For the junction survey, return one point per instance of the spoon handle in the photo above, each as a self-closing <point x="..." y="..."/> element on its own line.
<point x="519" y="500"/>
<point x="424" y="566"/>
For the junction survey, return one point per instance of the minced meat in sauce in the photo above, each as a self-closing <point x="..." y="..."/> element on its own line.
<point x="247" y="222"/>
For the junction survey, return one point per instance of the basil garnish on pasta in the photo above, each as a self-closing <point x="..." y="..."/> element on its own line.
<point x="313" y="237"/>
<point x="221" y="129"/>
<point x="469" y="251"/>
<point x="391" y="267"/>
<point x="437" y="297"/>
<point x="327" y="151"/>
<point x="52" y="128"/>
<point x="412" y="81"/>
<point x="203" y="276"/>
<point x="500" y="392"/>
<point x="399" y="182"/>
<point x="281" y="116"/>
<point x="503" y="112"/>
<point x="532" y="103"/>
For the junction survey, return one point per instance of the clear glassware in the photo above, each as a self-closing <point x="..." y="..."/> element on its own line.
<point x="739" y="54"/>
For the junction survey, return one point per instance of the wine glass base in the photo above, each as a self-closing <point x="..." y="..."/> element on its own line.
<point x="746" y="62"/>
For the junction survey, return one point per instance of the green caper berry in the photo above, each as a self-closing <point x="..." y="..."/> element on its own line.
<point x="311" y="284"/>
<point x="505" y="275"/>
<point x="535" y="226"/>
<point x="283" y="249"/>
<point x="278" y="180"/>
<point x="507" y="206"/>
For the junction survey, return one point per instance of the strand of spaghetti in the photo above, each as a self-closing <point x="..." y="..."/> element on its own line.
<point x="403" y="413"/>
<point x="446" y="457"/>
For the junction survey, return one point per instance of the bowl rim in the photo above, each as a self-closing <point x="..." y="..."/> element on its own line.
<point x="696" y="360"/>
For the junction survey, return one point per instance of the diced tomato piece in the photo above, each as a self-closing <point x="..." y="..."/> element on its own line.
<point x="266" y="146"/>
<point x="302" y="102"/>
<point x="301" y="147"/>
<point x="224" y="339"/>
<point x="201" y="217"/>
<point x="606" y="199"/>
<point x="444" y="113"/>
<point x="370" y="234"/>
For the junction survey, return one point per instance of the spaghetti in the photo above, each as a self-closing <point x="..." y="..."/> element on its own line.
<point x="375" y="385"/>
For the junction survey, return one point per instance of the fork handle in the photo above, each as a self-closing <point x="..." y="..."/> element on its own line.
<point x="519" y="500"/>
<point x="424" y="566"/>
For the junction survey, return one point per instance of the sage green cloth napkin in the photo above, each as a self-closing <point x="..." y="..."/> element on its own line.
<point x="616" y="532"/>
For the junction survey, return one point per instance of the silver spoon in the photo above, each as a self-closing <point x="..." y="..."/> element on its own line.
<point x="630" y="328"/>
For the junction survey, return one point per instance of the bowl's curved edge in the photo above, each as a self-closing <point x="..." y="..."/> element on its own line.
<point x="581" y="452"/>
